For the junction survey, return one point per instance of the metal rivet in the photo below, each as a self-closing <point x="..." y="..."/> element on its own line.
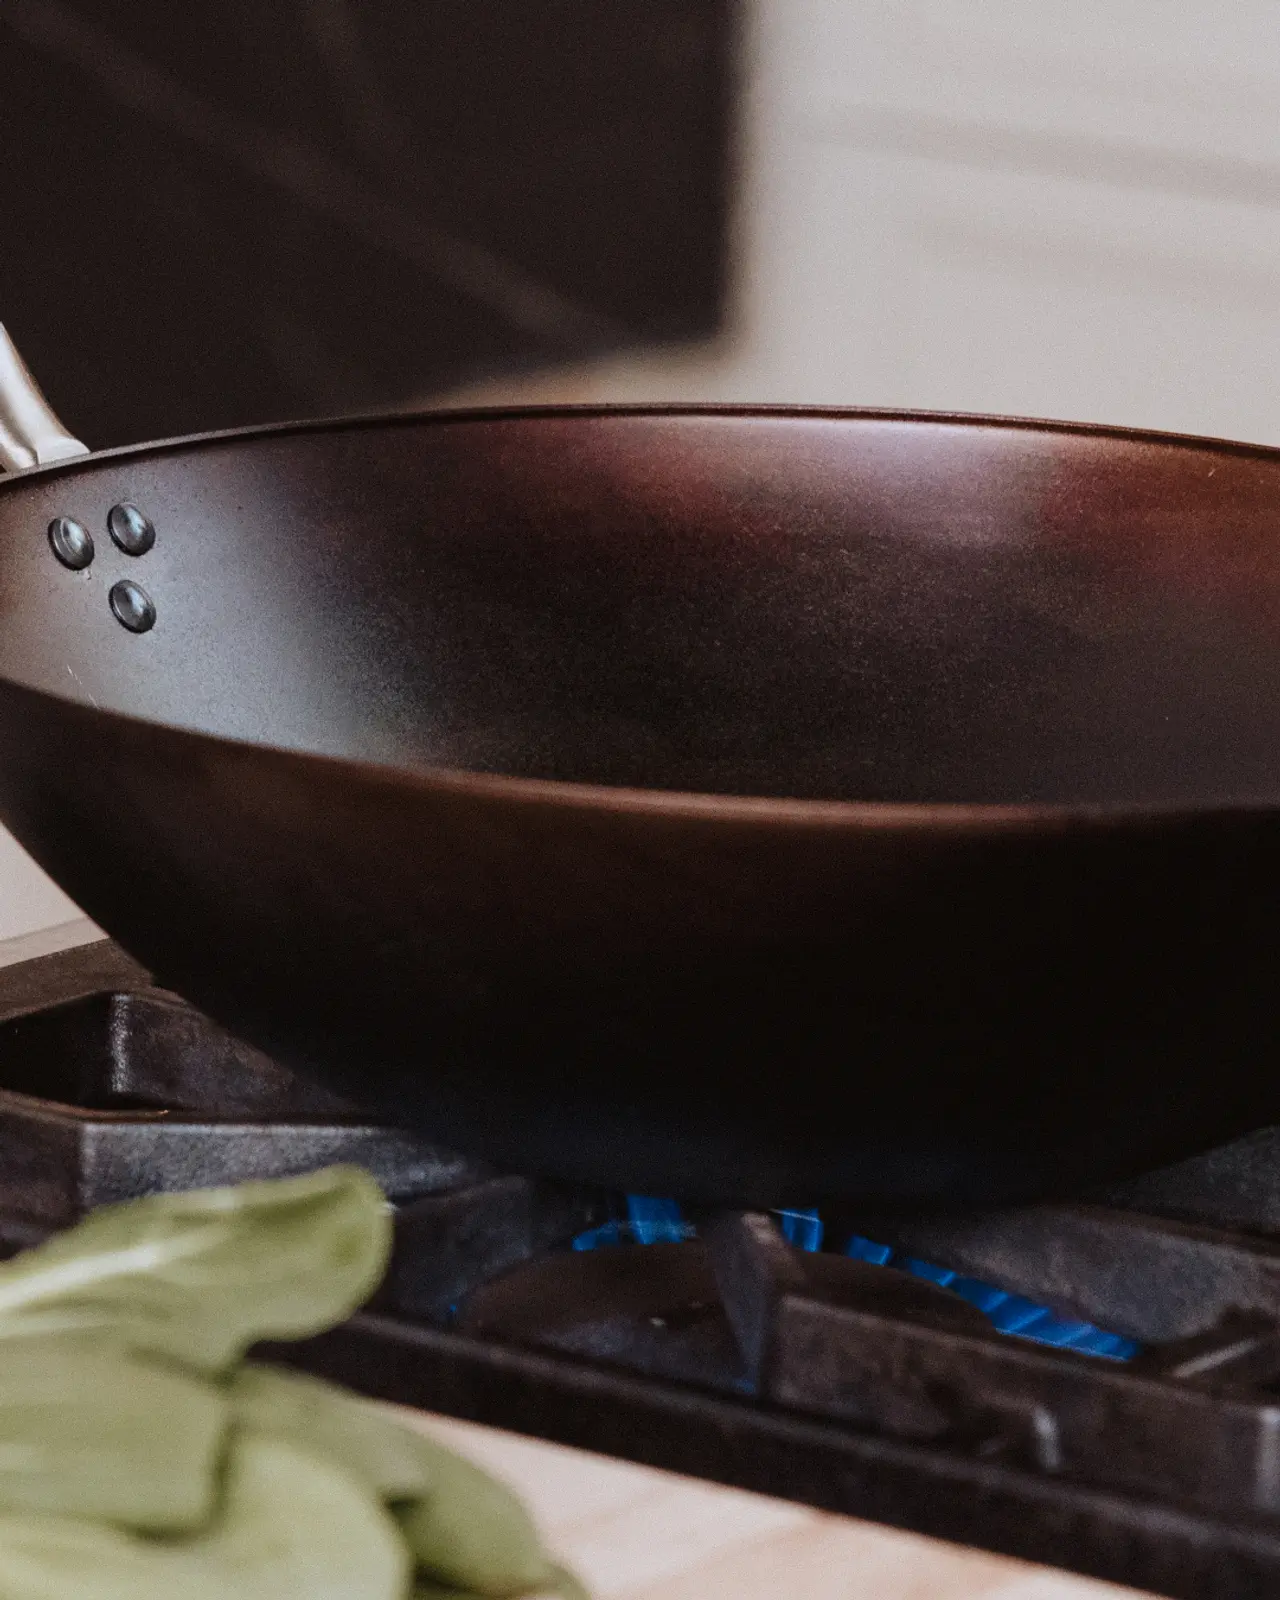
<point x="71" y="542"/>
<point x="133" y="606"/>
<point x="130" y="529"/>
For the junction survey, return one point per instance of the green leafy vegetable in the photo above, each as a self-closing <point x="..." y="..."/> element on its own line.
<point x="139" y="1460"/>
<point x="291" y="1527"/>
<point x="466" y="1530"/>
<point x="361" y="1437"/>
<point x="198" y="1277"/>
<point x="470" y="1531"/>
<point x="89" y="1429"/>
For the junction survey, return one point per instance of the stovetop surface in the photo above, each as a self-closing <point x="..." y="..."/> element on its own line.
<point x="1134" y="1436"/>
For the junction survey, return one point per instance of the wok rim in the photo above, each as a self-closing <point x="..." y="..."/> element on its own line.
<point x="448" y="415"/>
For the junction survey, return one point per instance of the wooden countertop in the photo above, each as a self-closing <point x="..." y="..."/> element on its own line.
<point x="632" y="1533"/>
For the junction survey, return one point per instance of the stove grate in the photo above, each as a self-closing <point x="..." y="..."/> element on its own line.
<point x="863" y="1369"/>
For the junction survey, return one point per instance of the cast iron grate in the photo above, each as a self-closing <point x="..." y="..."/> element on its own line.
<point x="859" y="1382"/>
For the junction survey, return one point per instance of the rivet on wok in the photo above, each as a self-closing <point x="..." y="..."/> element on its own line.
<point x="130" y="529"/>
<point x="133" y="606"/>
<point x="71" y="542"/>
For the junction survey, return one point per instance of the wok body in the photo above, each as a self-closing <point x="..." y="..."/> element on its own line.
<point x="764" y="808"/>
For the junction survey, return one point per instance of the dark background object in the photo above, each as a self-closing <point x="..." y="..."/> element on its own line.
<point x="243" y="213"/>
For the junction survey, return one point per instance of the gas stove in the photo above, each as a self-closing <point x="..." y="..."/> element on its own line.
<point x="1094" y="1385"/>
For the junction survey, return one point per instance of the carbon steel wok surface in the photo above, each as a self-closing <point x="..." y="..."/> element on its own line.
<point x="757" y="806"/>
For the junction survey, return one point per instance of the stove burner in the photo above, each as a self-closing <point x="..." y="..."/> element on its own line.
<point x="647" y="1221"/>
<point x="872" y="1378"/>
<point x="660" y="1309"/>
<point x="655" y="1309"/>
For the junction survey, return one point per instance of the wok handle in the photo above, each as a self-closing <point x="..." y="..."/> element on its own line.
<point x="30" y="434"/>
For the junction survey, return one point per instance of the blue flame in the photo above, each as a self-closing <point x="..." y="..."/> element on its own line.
<point x="648" y="1221"/>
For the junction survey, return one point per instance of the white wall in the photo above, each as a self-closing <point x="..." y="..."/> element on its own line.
<point x="28" y="900"/>
<point x="1010" y="206"/>
<point x="1067" y="210"/>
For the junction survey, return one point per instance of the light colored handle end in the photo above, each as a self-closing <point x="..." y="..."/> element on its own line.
<point x="30" y="434"/>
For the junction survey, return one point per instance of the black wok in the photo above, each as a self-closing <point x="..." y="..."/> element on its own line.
<point x="754" y="806"/>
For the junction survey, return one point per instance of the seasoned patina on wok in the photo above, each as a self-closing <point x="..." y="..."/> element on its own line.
<point x="761" y="806"/>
